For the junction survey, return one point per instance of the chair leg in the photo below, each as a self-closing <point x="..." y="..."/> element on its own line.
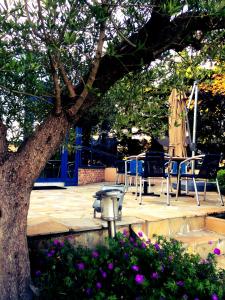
<point x="205" y="190"/>
<point x="162" y="183"/>
<point x="218" y="189"/>
<point x="178" y="183"/>
<point x="196" y="192"/>
<point x="167" y="191"/>
<point x="140" y="192"/>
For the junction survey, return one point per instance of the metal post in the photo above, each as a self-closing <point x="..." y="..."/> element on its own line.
<point x="194" y="125"/>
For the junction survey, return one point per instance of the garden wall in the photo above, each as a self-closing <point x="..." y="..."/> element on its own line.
<point x="96" y="174"/>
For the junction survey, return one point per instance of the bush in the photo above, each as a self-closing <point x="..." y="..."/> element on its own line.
<point x="221" y="179"/>
<point x="126" y="269"/>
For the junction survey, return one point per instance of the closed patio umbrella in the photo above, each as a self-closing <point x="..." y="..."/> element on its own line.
<point x="177" y="126"/>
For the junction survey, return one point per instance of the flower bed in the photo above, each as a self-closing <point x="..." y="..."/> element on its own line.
<point x="126" y="268"/>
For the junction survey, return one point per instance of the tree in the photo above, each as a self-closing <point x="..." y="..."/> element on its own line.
<point x="53" y="60"/>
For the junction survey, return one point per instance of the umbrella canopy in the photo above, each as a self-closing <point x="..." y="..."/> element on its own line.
<point x="177" y="126"/>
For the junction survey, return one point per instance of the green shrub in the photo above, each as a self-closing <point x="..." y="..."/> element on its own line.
<point x="126" y="269"/>
<point x="221" y="178"/>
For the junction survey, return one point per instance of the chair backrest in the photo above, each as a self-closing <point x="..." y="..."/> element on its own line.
<point x="120" y="166"/>
<point x="174" y="169"/>
<point x="154" y="165"/>
<point x="209" y="167"/>
<point x="133" y="167"/>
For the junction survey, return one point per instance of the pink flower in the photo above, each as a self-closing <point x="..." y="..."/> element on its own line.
<point x="135" y="268"/>
<point x="155" y="275"/>
<point x="110" y="266"/>
<point x="216" y="251"/>
<point x="214" y="297"/>
<point x="56" y="242"/>
<point x="80" y="266"/>
<point x="98" y="285"/>
<point x="210" y="242"/>
<point x="125" y="232"/>
<point x="139" y="278"/>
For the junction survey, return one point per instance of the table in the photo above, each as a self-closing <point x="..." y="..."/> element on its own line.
<point x="178" y="159"/>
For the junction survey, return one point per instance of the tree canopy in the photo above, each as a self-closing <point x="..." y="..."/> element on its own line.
<point x="47" y="50"/>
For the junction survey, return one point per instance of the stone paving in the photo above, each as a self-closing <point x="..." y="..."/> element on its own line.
<point x="63" y="210"/>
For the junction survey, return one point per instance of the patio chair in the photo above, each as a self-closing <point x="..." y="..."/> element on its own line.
<point x="132" y="170"/>
<point x="97" y="202"/>
<point x="120" y="171"/>
<point x="207" y="171"/>
<point x="154" y="167"/>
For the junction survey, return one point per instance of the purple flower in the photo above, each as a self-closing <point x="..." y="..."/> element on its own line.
<point x="125" y="232"/>
<point x="140" y="234"/>
<point x="126" y="256"/>
<point x="214" y="297"/>
<point x="104" y="275"/>
<point x="162" y="268"/>
<point x="110" y="266"/>
<point x="139" y="278"/>
<point x="56" y="242"/>
<point x="135" y="268"/>
<point x="148" y="241"/>
<point x="98" y="285"/>
<point x="196" y="298"/>
<point x="95" y="254"/>
<point x="88" y="291"/>
<point x="157" y="247"/>
<point x="143" y="245"/>
<point x="122" y="242"/>
<point x="216" y="251"/>
<point x="170" y="257"/>
<point x="38" y="273"/>
<point x="210" y="242"/>
<point x="135" y="244"/>
<point x="180" y="283"/>
<point x="131" y="239"/>
<point x="51" y="253"/>
<point x="155" y="275"/>
<point x="80" y="266"/>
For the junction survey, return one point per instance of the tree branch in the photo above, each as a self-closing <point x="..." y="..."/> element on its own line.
<point x="56" y="81"/>
<point x="66" y="80"/>
<point x="26" y="93"/>
<point x="35" y="32"/>
<point x="92" y="75"/>
<point x="158" y="35"/>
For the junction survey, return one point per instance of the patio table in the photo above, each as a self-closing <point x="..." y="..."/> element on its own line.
<point x="178" y="159"/>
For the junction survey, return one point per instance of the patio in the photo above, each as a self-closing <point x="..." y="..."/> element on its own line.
<point x="69" y="213"/>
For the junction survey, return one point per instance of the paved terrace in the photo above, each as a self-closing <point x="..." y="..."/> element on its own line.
<point x="63" y="210"/>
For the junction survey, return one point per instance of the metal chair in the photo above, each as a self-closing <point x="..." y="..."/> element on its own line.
<point x="154" y="167"/>
<point x="132" y="170"/>
<point x="120" y="171"/>
<point x="97" y="202"/>
<point x="207" y="171"/>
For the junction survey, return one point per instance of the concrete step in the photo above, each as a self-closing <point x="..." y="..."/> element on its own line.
<point x="203" y="242"/>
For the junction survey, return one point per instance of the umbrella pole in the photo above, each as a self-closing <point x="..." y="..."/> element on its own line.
<point x="194" y="124"/>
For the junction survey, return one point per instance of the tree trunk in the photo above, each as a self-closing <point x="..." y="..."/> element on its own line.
<point x="17" y="175"/>
<point x="14" y="260"/>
